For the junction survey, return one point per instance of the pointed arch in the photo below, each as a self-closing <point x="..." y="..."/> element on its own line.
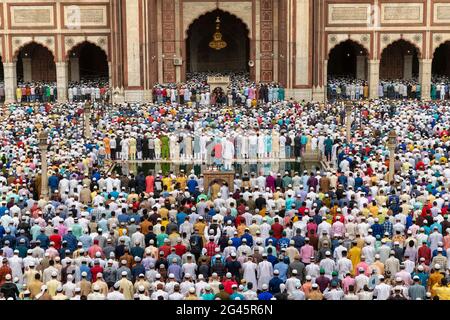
<point x="77" y="45"/>
<point x="365" y="50"/>
<point x="390" y="42"/>
<point x="234" y="57"/>
<point x="30" y="43"/>
<point x="399" y="60"/>
<point x="215" y="11"/>
<point x="87" y="60"/>
<point x="348" y="58"/>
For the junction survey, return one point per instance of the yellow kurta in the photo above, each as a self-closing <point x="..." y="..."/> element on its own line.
<point x="354" y="254"/>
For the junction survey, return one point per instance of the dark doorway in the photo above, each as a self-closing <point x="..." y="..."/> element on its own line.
<point x="348" y="59"/>
<point x="35" y="63"/>
<point x="92" y="62"/>
<point x="393" y="58"/>
<point x="441" y="60"/>
<point x="202" y="58"/>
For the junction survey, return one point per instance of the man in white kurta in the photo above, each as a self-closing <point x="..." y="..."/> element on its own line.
<point x="265" y="272"/>
<point x="249" y="271"/>
<point x="227" y="153"/>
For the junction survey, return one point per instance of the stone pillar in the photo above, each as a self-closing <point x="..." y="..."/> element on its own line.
<point x="75" y="69"/>
<point x="374" y="78"/>
<point x="42" y="137"/>
<point x="425" y="78"/>
<point x="110" y="74"/>
<point x="62" y="80"/>
<point x="361" y="67"/>
<point x="325" y="79"/>
<point x="10" y="74"/>
<point x="27" y="70"/>
<point x="407" y="67"/>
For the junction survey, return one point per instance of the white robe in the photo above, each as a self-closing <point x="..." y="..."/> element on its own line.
<point x="249" y="272"/>
<point x="265" y="273"/>
<point x="261" y="144"/>
<point x="228" y="150"/>
<point x="16" y="264"/>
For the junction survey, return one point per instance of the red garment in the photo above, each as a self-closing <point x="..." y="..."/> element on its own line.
<point x="149" y="184"/>
<point x="227" y="284"/>
<point x="426" y="210"/>
<point x="420" y="165"/>
<point x="136" y="205"/>
<point x="166" y="249"/>
<point x="302" y="210"/>
<point x="94" y="271"/>
<point x="239" y="220"/>
<point x="57" y="239"/>
<point x="180" y="249"/>
<point x="277" y="230"/>
<point x="425" y="252"/>
<point x="4" y="270"/>
<point x="211" y="248"/>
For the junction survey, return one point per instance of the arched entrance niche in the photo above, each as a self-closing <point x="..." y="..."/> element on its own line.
<point x="200" y="57"/>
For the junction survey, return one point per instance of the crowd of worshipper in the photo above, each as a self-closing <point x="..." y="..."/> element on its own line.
<point x="39" y="91"/>
<point x="439" y="88"/>
<point x="346" y="231"/>
<point x="347" y="88"/>
<point x="89" y="90"/>
<point x="340" y="88"/>
<point x="196" y="90"/>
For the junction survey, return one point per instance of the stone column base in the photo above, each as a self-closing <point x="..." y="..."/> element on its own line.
<point x="298" y="94"/>
<point x="319" y="94"/>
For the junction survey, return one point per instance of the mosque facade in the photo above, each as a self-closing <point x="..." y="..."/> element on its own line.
<point x="296" y="43"/>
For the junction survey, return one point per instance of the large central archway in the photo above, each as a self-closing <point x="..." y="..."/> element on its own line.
<point x="399" y="60"/>
<point x="234" y="57"/>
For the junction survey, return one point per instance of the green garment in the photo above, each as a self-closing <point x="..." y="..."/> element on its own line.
<point x="281" y="94"/>
<point x="160" y="239"/>
<point x="433" y="92"/>
<point x="165" y="147"/>
<point x="77" y="230"/>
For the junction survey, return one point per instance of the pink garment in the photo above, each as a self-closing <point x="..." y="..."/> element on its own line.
<point x="365" y="266"/>
<point x="62" y="230"/>
<point x="306" y="252"/>
<point x="337" y="228"/>
<point x="251" y="93"/>
<point x="218" y="151"/>
<point x="347" y="282"/>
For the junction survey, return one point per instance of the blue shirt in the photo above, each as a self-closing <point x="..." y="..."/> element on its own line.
<point x="236" y="242"/>
<point x="282" y="268"/>
<point x="191" y="184"/>
<point x="44" y="241"/>
<point x="71" y="241"/>
<point x="265" y="296"/>
<point x="274" y="285"/>
<point x="181" y="216"/>
<point x="283" y="243"/>
<point x="249" y="239"/>
<point x="85" y="268"/>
